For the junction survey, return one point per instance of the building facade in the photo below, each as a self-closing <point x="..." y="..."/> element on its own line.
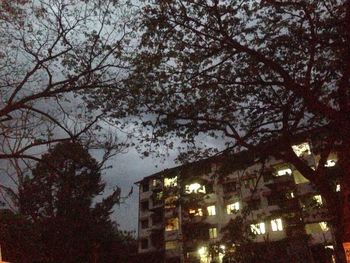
<point x="188" y="213"/>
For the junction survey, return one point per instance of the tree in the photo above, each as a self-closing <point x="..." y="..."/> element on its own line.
<point x="251" y="72"/>
<point x="57" y="217"/>
<point x="53" y="54"/>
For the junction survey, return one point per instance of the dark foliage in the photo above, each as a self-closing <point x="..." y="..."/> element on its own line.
<point x="58" y="219"/>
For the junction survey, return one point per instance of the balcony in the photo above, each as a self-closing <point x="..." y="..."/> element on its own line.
<point x="304" y="189"/>
<point x="280" y="181"/>
<point x="316" y="215"/>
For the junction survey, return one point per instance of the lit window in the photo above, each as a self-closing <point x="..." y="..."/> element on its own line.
<point x="195" y="188"/>
<point x="156" y="183"/>
<point x="172" y="224"/>
<point x="276" y="224"/>
<point x="290" y="195"/>
<point x="196" y="212"/>
<point x="324" y="226"/>
<point x="170" y="182"/>
<point x="157" y="198"/>
<point x="337" y="188"/>
<point x="282" y="172"/>
<point x="318" y="199"/>
<point x="330" y="163"/>
<point x="170" y="245"/>
<point x="211" y="210"/>
<point x="213" y="233"/>
<point x="202" y="251"/>
<point x="258" y="229"/>
<point x="301" y="149"/>
<point x="232" y="207"/>
<point x="170" y="201"/>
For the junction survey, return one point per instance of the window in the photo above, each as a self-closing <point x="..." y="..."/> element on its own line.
<point x="318" y="199"/>
<point x="196" y="212"/>
<point x="144" y="223"/>
<point x="157" y="217"/>
<point x="330" y="163"/>
<point x="213" y="233"/>
<point x="258" y="229"/>
<point x="145" y="187"/>
<point x="144" y="243"/>
<point x="172" y="224"/>
<point x="324" y="226"/>
<point x="301" y="149"/>
<point x="156" y="183"/>
<point x="316" y="228"/>
<point x="290" y="195"/>
<point x="170" y="201"/>
<point x="144" y="205"/>
<point x="276" y="224"/>
<point x="211" y="210"/>
<point x="203" y="253"/>
<point x="232" y="207"/>
<point x="170" y="245"/>
<point x="285" y="171"/>
<point x="195" y="188"/>
<point x="250" y="183"/>
<point x="170" y="182"/>
<point x="157" y="198"/>
<point x="337" y="188"/>
<point x="229" y="187"/>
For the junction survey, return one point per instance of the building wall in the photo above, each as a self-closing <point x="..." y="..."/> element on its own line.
<point x="245" y="183"/>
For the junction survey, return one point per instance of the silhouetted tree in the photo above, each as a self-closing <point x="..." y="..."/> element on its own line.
<point x="58" y="218"/>
<point x="51" y="51"/>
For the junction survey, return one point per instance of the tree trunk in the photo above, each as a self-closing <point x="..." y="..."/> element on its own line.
<point x="343" y="234"/>
<point x="334" y="206"/>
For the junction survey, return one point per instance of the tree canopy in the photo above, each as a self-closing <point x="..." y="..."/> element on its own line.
<point x="55" y="53"/>
<point x="250" y="72"/>
<point x="58" y="217"/>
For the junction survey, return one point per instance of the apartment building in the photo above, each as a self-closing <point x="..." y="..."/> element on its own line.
<point x="184" y="212"/>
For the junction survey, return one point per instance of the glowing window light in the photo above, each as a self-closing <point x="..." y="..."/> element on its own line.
<point x="258" y="229"/>
<point x="324" y="226"/>
<point x="202" y="251"/>
<point x="232" y="207"/>
<point x="276" y="224"/>
<point x="318" y="199"/>
<point x="337" y="188"/>
<point x="172" y="224"/>
<point x="222" y="252"/>
<point x="171" y="245"/>
<point x="211" y="210"/>
<point x="195" y="188"/>
<point x="330" y="163"/>
<point x="213" y="233"/>
<point x="196" y="212"/>
<point x="283" y="172"/>
<point x="170" y="182"/>
<point x="301" y="149"/>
